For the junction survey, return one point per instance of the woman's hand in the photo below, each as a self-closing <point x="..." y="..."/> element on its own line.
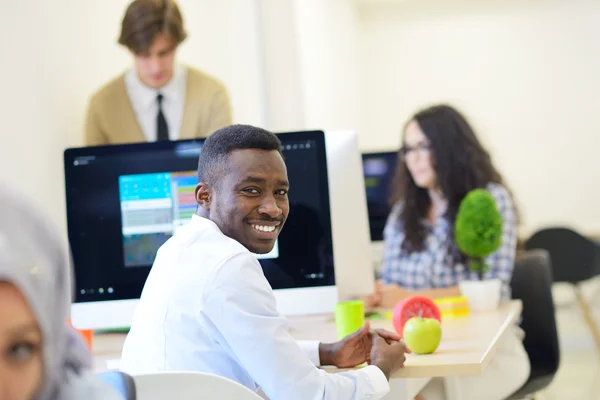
<point x="386" y="296"/>
<point x="373" y="300"/>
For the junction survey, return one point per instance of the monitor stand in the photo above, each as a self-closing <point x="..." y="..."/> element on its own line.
<point x="377" y="255"/>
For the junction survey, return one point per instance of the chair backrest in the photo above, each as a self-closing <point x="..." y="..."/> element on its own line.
<point x="120" y="381"/>
<point x="575" y="258"/>
<point x="189" y="385"/>
<point x="532" y="284"/>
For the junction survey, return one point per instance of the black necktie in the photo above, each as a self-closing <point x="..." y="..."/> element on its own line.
<point x="162" y="130"/>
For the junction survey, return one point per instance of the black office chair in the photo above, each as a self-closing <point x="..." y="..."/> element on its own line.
<point x="120" y="381"/>
<point x="575" y="259"/>
<point x="532" y="284"/>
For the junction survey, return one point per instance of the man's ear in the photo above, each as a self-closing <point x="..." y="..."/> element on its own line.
<point x="203" y="193"/>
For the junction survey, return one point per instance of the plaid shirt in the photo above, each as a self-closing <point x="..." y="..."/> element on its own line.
<point x="430" y="268"/>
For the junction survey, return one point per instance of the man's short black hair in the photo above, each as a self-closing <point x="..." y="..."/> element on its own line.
<point x="216" y="148"/>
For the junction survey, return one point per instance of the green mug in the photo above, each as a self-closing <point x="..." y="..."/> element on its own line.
<point x="349" y="317"/>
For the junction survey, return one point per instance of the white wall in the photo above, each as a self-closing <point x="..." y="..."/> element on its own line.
<point x="56" y="53"/>
<point x="526" y="75"/>
<point x="311" y="63"/>
<point x="326" y="32"/>
<point x="283" y="87"/>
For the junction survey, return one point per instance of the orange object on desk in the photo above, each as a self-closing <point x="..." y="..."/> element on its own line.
<point x="86" y="334"/>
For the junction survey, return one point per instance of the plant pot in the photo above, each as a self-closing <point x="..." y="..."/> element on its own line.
<point x="482" y="295"/>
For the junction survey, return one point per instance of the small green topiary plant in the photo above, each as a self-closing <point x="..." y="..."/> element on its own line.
<point x="478" y="229"/>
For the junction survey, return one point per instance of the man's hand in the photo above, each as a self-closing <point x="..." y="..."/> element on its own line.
<point x="388" y="356"/>
<point x="354" y="349"/>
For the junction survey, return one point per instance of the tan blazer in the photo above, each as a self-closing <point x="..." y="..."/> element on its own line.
<point x="111" y="119"/>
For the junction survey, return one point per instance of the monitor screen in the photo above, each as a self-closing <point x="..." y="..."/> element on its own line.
<point x="125" y="201"/>
<point x="378" y="169"/>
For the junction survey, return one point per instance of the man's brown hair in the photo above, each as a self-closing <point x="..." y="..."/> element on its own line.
<point x="144" y="19"/>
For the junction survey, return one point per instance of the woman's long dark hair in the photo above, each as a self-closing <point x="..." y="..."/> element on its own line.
<point x="461" y="164"/>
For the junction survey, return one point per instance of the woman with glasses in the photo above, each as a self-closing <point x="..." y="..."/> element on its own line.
<point x="440" y="161"/>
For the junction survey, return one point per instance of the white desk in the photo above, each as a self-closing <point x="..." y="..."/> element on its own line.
<point x="467" y="346"/>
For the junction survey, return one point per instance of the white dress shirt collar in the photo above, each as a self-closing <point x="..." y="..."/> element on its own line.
<point x="145" y="106"/>
<point x="171" y="91"/>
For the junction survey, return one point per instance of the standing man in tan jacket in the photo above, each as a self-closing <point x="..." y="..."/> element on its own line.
<point x="157" y="99"/>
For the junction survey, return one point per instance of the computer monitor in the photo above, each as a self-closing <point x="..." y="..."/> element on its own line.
<point x="378" y="170"/>
<point x="125" y="201"/>
<point x="350" y="225"/>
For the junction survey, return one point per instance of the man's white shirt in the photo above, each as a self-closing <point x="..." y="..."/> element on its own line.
<point x="207" y="306"/>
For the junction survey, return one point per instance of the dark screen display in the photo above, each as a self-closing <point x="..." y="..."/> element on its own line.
<point x="378" y="169"/>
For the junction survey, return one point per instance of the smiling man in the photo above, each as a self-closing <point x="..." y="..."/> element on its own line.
<point x="157" y="99"/>
<point x="207" y="305"/>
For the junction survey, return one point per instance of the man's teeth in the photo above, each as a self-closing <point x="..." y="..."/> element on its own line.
<point x="264" y="228"/>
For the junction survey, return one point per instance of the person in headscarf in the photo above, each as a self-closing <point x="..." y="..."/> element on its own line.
<point x="41" y="356"/>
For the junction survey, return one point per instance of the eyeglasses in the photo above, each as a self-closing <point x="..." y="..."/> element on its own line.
<point x="421" y="148"/>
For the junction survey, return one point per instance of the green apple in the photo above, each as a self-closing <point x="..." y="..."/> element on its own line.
<point x="422" y="335"/>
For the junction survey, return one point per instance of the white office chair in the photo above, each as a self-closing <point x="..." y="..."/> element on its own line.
<point x="189" y="386"/>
